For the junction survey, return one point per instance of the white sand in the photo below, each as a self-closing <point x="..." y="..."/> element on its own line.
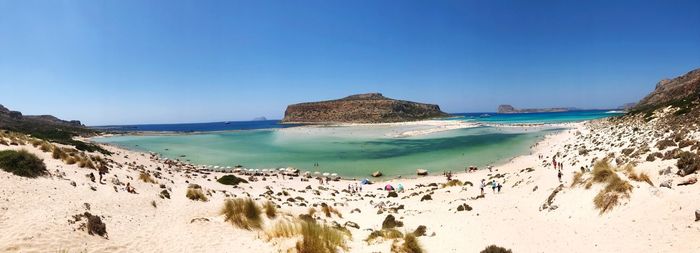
<point x="34" y="213"/>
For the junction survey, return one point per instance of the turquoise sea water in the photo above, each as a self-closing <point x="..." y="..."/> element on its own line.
<point x="349" y="151"/>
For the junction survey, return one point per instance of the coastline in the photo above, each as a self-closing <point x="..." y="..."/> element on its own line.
<point x="135" y="222"/>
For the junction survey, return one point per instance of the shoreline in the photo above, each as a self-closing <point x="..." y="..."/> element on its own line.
<point x="559" y="127"/>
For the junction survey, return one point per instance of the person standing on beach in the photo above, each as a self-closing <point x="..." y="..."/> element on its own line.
<point x="493" y="185"/>
<point x="559" y="174"/>
<point x="483" y="184"/>
<point x="499" y="187"/>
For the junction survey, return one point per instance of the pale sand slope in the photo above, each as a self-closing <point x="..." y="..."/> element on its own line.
<point x="34" y="213"/>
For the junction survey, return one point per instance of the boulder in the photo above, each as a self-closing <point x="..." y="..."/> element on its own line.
<point x="697" y="215"/>
<point x="667" y="184"/>
<point x="391" y="222"/>
<point x="421" y="172"/>
<point x="420" y="230"/>
<point x="666" y="171"/>
<point x="352" y="224"/>
<point x="392" y="194"/>
<point x="377" y="174"/>
<point x="426" y="197"/>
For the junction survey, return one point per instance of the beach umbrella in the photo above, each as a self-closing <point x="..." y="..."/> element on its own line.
<point x="388" y="187"/>
<point x="365" y="181"/>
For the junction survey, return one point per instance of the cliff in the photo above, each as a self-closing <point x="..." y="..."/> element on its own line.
<point x="511" y="109"/>
<point x="673" y="91"/>
<point x="362" y="108"/>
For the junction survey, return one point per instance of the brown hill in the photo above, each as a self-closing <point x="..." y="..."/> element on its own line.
<point x="361" y="108"/>
<point x="674" y="91"/>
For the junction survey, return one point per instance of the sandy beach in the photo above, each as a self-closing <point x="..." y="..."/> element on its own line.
<point x="36" y="214"/>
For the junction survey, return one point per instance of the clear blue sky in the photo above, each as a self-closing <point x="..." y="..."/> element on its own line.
<point x="122" y="62"/>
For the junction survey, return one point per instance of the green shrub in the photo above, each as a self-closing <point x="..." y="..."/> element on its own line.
<point x="231" y="180"/>
<point x="22" y="163"/>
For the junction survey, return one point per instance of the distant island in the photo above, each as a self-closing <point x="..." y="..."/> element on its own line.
<point x="511" y="109"/>
<point x="361" y="108"/>
<point x="261" y="118"/>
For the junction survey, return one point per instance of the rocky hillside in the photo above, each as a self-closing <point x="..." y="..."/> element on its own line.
<point x="670" y="92"/>
<point x="47" y="127"/>
<point x="362" y="108"/>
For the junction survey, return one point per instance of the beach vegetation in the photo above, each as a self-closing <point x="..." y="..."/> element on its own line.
<point x="45" y="146"/>
<point x="242" y="213"/>
<point x="385" y="233"/>
<point x="410" y="245"/>
<point x="453" y="182"/>
<point x="146" y="178"/>
<point x="270" y="209"/>
<point x="320" y="238"/>
<point x="196" y="194"/>
<point x="638" y="177"/>
<point x="95" y="226"/>
<point x="328" y="210"/>
<point x="22" y="163"/>
<point x="610" y="196"/>
<point x="615" y="190"/>
<point x="70" y="160"/>
<point x="577" y="179"/>
<point x="496" y="249"/>
<point x="231" y="180"/>
<point x="315" y="238"/>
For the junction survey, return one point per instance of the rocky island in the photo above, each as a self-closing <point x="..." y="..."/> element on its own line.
<point x="361" y="108"/>
<point x="511" y="109"/>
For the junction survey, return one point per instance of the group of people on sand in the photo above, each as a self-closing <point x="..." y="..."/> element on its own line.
<point x="495" y="186"/>
<point x="356" y="188"/>
<point x="448" y="175"/>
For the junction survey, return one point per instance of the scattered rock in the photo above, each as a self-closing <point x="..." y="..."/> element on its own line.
<point x="421" y="172"/>
<point x="689" y="181"/>
<point x="464" y="207"/>
<point x="391" y="222"/>
<point x="697" y="215"/>
<point x="352" y="225"/>
<point x="392" y="194"/>
<point x="666" y="171"/>
<point x="534" y="189"/>
<point x="667" y="184"/>
<point x="548" y="203"/>
<point x="377" y="174"/>
<point x="426" y="197"/>
<point x="199" y="220"/>
<point x="420" y="230"/>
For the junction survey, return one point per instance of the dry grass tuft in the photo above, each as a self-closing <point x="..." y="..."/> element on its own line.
<point x="243" y="213"/>
<point x="386" y="233"/>
<point x="453" y="182"/>
<point x="602" y="172"/>
<point x="610" y="196"/>
<point x="196" y="194"/>
<point x="320" y="239"/>
<point x="578" y="179"/>
<point x="145" y="177"/>
<point x="638" y="177"/>
<point x="315" y="238"/>
<point x="270" y="209"/>
<point x="328" y="210"/>
<point x="615" y="188"/>
<point x="410" y="245"/>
